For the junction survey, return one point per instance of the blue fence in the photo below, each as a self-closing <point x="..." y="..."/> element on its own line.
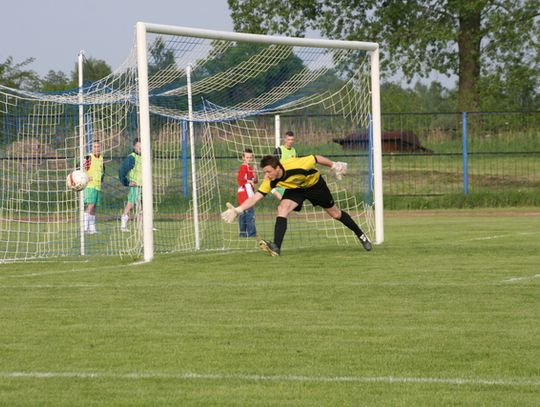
<point x="424" y="154"/>
<point x="441" y="153"/>
<point x="433" y="154"/>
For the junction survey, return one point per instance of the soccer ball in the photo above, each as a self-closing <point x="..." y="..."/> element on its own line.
<point x="77" y="180"/>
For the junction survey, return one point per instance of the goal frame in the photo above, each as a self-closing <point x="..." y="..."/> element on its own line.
<point x="143" y="28"/>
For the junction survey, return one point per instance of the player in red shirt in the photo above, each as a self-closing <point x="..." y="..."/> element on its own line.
<point x="247" y="178"/>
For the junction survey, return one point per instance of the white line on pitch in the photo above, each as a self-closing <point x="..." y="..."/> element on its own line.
<point x="275" y="378"/>
<point x="490" y="237"/>
<point x="56" y="286"/>
<point x="511" y="280"/>
<point x="47" y="273"/>
<point x="258" y="284"/>
<point x="503" y="236"/>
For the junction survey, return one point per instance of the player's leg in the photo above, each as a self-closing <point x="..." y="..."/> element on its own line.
<point x="133" y="200"/>
<point x="251" y="230"/>
<point x="125" y="217"/>
<point x="91" y="197"/>
<point x="96" y="204"/>
<point x="285" y="207"/>
<point x="91" y="209"/>
<point x="91" y="218"/>
<point x="86" y="219"/>
<point x="87" y="202"/>
<point x="125" y="214"/>
<point x="242" y="224"/>
<point x="320" y="195"/>
<point x="346" y="219"/>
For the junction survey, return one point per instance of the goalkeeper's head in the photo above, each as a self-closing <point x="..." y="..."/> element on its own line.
<point x="271" y="167"/>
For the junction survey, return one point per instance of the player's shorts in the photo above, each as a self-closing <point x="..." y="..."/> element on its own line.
<point x="92" y="196"/>
<point x="134" y="195"/>
<point x="318" y="195"/>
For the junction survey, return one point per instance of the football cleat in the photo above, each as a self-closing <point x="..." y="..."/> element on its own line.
<point x="269" y="247"/>
<point x="365" y="242"/>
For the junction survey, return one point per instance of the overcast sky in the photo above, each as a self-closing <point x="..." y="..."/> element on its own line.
<point x="53" y="31"/>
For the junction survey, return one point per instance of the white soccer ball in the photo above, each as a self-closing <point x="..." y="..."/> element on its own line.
<point x="77" y="180"/>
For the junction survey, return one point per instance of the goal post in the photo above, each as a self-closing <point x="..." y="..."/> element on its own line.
<point x="377" y="147"/>
<point x="80" y="81"/>
<point x="371" y="48"/>
<point x="144" y="133"/>
<point x="196" y="100"/>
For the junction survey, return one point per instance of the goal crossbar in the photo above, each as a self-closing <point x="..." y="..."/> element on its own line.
<point x="255" y="38"/>
<point x="175" y="121"/>
<point x="143" y="28"/>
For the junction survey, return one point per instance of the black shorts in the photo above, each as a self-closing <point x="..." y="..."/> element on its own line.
<point x="318" y="195"/>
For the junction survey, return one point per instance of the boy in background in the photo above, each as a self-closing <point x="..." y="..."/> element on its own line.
<point x="130" y="175"/>
<point x="93" y="165"/>
<point x="284" y="152"/>
<point x="247" y="178"/>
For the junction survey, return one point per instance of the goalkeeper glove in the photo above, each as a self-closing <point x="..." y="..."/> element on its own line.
<point x="231" y="213"/>
<point x="339" y="169"/>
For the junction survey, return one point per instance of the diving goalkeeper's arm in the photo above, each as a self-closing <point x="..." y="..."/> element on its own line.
<point x="233" y="212"/>
<point x="339" y="168"/>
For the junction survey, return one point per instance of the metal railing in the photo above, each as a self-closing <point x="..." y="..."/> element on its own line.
<point x="464" y="152"/>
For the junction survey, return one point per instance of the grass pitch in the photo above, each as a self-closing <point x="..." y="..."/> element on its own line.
<point x="446" y="312"/>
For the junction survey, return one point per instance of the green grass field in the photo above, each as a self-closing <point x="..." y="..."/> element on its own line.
<point x="445" y="313"/>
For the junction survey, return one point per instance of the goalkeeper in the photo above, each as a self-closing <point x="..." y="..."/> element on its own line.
<point x="301" y="181"/>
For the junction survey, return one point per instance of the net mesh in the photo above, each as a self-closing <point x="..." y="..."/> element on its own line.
<point x="237" y="91"/>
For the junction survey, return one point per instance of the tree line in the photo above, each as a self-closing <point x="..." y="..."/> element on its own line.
<point x="492" y="47"/>
<point x="19" y="75"/>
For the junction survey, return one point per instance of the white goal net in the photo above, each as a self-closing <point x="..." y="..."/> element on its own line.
<point x="196" y="100"/>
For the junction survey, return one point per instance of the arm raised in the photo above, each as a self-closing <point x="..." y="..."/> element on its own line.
<point x="339" y="168"/>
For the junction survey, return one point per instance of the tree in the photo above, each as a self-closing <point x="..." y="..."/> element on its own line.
<point x="14" y="76"/>
<point x="516" y="89"/>
<point x="254" y="86"/>
<point x="419" y="99"/>
<point x="93" y="70"/>
<point x="467" y="38"/>
<point x="56" y="81"/>
<point x="161" y="58"/>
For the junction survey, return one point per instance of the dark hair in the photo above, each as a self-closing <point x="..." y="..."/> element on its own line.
<point x="271" y="160"/>
<point x="289" y="134"/>
<point x="248" y="150"/>
<point x="137" y="140"/>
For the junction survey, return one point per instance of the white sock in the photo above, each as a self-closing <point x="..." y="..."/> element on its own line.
<point x="92" y="223"/>
<point x="86" y="221"/>
<point x="125" y="219"/>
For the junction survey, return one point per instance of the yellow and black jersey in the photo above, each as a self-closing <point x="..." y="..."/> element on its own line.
<point x="297" y="173"/>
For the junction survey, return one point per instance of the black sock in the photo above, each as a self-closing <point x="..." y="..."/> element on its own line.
<point x="279" y="230"/>
<point x="350" y="223"/>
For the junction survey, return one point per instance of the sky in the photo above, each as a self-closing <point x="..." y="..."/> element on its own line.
<point x="54" y="31"/>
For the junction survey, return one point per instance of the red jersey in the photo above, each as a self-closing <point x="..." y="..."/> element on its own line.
<point x="245" y="189"/>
